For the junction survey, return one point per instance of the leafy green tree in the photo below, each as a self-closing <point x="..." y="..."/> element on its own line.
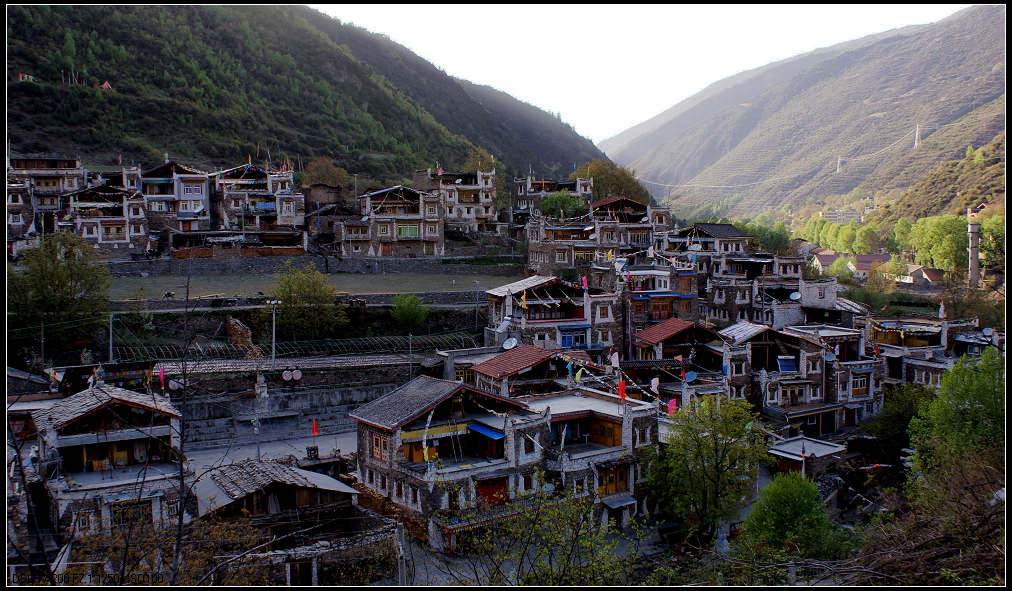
<point x="611" y="179"/>
<point x="789" y="516"/>
<point x="308" y="308"/>
<point x="896" y="266"/>
<point x="827" y="237"/>
<point x="841" y="271"/>
<point x="940" y="241"/>
<point x="900" y="405"/>
<point x="845" y="239"/>
<point x="408" y="311"/>
<point x="708" y="464"/>
<point x="900" y="235"/>
<point x="992" y="240"/>
<point x="62" y="289"/>
<point x="866" y="241"/>
<point x="323" y="170"/>
<point x="969" y="151"/>
<point x="968" y="415"/>
<point x="562" y="204"/>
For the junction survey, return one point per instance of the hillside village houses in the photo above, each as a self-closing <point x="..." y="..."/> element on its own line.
<point x="617" y="296"/>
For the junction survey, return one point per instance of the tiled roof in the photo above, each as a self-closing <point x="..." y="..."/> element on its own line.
<point x="512" y="361"/>
<point x="613" y="199"/>
<point x="663" y="330"/>
<point x="518" y="286"/>
<point x="404" y="404"/>
<point x="870" y="261"/>
<point x="826" y="259"/>
<point x="92" y="399"/>
<point x="720" y="230"/>
<point x="231" y="482"/>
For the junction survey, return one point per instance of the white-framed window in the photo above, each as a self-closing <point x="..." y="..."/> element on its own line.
<point x="184" y="205"/>
<point x="171" y="508"/>
<point x="813" y="366"/>
<point x="236" y="203"/>
<point x="14" y="218"/>
<point x="89" y="230"/>
<point x="14" y="199"/>
<point x="136" y="228"/>
<point x="430" y="229"/>
<point x="288" y="207"/>
<point x="580" y="485"/>
<point x="84" y="521"/>
<point x="771" y="395"/>
<point x="560" y="256"/>
<point x="860" y="383"/>
<point x="738" y="368"/>
<point x="822" y="292"/>
<point x="384" y="229"/>
<point x="431" y="210"/>
<point x="812" y="419"/>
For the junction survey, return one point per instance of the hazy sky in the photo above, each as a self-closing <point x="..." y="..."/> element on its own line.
<point x="606" y="68"/>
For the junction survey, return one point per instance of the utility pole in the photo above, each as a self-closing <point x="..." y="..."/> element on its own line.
<point x="410" y="357"/>
<point x="917" y="135"/>
<point x="261" y="393"/>
<point x="476" y="304"/>
<point x="274" y="328"/>
<point x="110" y="336"/>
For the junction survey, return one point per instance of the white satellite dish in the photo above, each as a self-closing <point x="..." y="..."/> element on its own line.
<point x="286" y="375"/>
<point x="645" y="218"/>
<point x="830" y="356"/>
<point x="795" y="296"/>
<point x="458" y="181"/>
<point x="988" y="331"/>
<point x="297" y="374"/>
<point x="592" y="236"/>
<point x="509" y="343"/>
<point x="695" y="247"/>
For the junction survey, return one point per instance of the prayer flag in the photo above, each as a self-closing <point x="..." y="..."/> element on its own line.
<point x="877" y="351"/>
<point x="683" y="373"/>
<point x="578" y="374"/>
<point x="161" y="377"/>
<point x="523" y="300"/>
<point x="655" y="385"/>
<point x="584" y="279"/>
<point x="610" y="255"/>
<point x="672" y="407"/>
<point x="316" y="429"/>
<point x="678" y="358"/>
<point x="621" y="390"/>
<point x="650" y="252"/>
<point x="884" y="307"/>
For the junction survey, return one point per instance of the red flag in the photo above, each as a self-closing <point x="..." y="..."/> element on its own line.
<point x="672" y="407"/>
<point x="679" y="358"/>
<point x="316" y="429"/>
<point x="884" y="307"/>
<point x="621" y="390"/>
<point x="683" y="373"/>
<point x="876" y="350"/>
<point x="161" y="377"/>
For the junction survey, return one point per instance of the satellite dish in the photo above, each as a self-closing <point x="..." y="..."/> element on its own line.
<point x="645" y="218"/>
<point x="286" y="375"/>
<point x="695" y="247"/>
<point x="174" y="385"/>
<point x="509" y="343"/>
<point x="592" y="236"/>
<point x="297" y="374"/>
<point x="690" y="376"/>
<point x="988" y="331"/>
<point x="830" y="356"/>
<point x="458" y="181"/>
<point x="795" y="296"/>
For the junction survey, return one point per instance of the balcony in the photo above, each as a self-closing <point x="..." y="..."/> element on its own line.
<point x="580" y="456"/>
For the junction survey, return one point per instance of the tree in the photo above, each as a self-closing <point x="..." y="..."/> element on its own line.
<point x="845" y="239"/>
<point x="992" y="240"/>
<point x="710" y="461"/>
<point x="611" y="179"/>
<point x="896" y="266"/>
<point x="789" y="516"/>
<point x="308" y="309"/>
<point x="890" y="425"/>
<point x="562" y="204"/>
<point x="841" y="271"/>
<point x="323" y="170"/>
<point x="967" y="417"/>
<point x="408" y="311"/>
<point x="827" y="237"/>
<point x="900" y="236"/>
<point x="552" y="539"/>
<point x="866" y="241"/>
<point x="62" y="291"/>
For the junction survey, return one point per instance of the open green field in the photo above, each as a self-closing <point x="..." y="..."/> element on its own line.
<point x="237" y="285"/>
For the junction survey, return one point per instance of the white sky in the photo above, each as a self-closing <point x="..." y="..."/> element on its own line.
<point x="606" y="68"/>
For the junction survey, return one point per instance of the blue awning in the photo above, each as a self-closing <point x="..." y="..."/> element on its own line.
<point x="487" y="432"/>
<point x="666" y="294"/>
<point x="575" y="327"/>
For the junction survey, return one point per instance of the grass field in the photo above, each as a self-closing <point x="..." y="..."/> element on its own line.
<point x="236" y="285"/>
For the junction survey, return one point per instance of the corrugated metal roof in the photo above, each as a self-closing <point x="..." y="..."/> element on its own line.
<point x="519" y="286"/>
<point x="742" y="331"/>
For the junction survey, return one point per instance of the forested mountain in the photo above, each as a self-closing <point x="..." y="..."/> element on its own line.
<point x="775" y="135"/>
<point x="212" y="84"/>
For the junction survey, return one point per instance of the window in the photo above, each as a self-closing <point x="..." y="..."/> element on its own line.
<point x="812" y="420"/>
<point x="400" y="489"/>
<point x="288" y="207"/>
<point x="384" y="229"/>
<point x="137" y="229"/>
<point x="738" y="368"/>
<point x="236" y="204"/>
<point x="371" y="477"/>
<point x="383" y="482"/>
<point x="580" y="485"/>
<point x="83" y="522"/>
<point x="528" y="482"/>
<point x="528" y="444"/>
<point x="602" y="311"/>
<point x="89" y="230"/>
<point x="449" y="210"/>
<point x="468" y="211"/>
<point x="128" y="513"/>
<point x="771" y="396"/>
<point x="14" y="198"/>
<point x="813" y="366"/>
<point x="860" y="383"/>
<point x="431" y="210"/>
<point x="407" y="231"/>
<point x="430" y="229"/>
<point x="15" y="218"/>
<point x="822" y="292"/>
<point x="414" y="495"/>
<point x="560" y="256"/>
<point x="378" y="449"/>
<point x="644" y="436"/>
<point x="172" y="508"/>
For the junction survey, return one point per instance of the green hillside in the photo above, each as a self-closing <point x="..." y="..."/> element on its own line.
<point x="774" y="136"/>
<point x="212" y="84"/>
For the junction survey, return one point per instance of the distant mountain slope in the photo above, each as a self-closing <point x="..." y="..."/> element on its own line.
<point x="774" y="135"/>
<point x="211" y="84"/>
<point x="520" y="134"/>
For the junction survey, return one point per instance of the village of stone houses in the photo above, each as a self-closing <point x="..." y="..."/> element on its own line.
<point x="369" y="352"/>
<point x="620" y="327"/>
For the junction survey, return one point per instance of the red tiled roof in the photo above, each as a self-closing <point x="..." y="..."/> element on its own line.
<point x="663" y="330"/>
<point x="870" y="261"/>
<point x="512" y="361"/>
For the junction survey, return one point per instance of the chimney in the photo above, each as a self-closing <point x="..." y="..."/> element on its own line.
<point x="973" y="229"/>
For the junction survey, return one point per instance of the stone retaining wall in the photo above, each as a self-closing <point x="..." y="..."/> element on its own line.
<point x="324" y="264"/>
<point x="429" y="298"/>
